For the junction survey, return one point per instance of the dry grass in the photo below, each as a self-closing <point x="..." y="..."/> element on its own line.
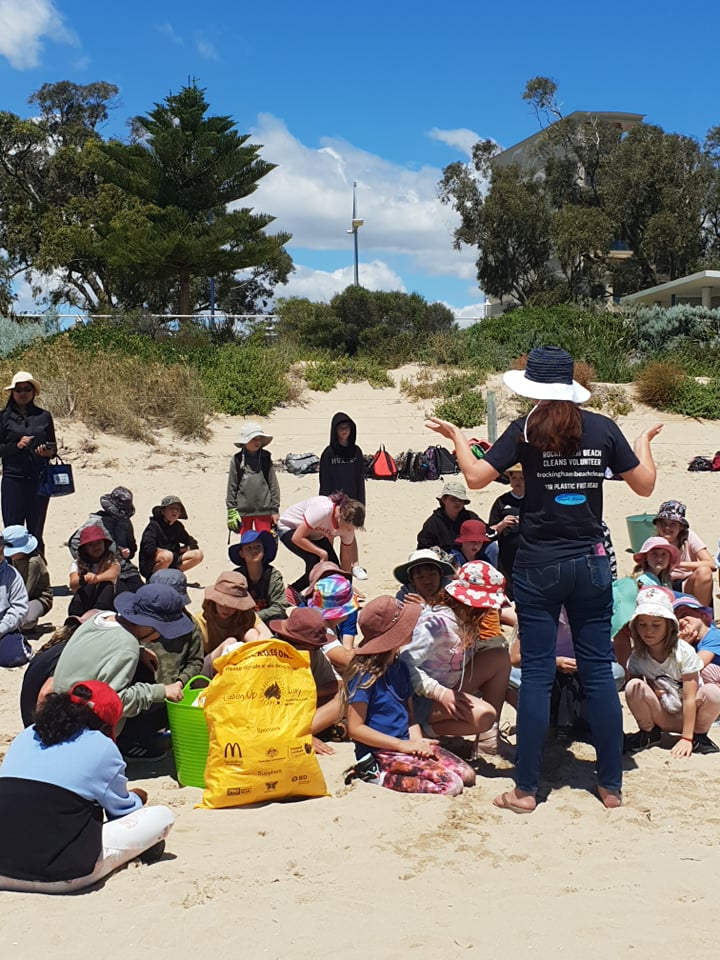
<point x="118" y="394"/>
<point x="660" y="384"/>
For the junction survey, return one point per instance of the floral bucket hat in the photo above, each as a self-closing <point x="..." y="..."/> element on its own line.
<point x="478" y="584"/>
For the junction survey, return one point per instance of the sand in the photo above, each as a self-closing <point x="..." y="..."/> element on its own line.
<point x="365" y="872"/>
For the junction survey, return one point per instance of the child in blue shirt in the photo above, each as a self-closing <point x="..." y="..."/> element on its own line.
<point x="389" y="746"/>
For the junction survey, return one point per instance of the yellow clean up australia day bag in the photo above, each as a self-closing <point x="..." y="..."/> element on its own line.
<point x="259" y="709"/>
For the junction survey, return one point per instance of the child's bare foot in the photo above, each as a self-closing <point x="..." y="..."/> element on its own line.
<point x="611" y="799"/>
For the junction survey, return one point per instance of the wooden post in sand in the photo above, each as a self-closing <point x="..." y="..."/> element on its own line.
<point x="491" y="417"/>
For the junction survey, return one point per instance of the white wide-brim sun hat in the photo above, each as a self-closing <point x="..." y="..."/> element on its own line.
<point x="548" y="376"/>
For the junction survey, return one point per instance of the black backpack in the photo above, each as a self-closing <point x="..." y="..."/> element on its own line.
<point x="700" y="463"/>
<point x="405" y="465"/>
<point x="446" y="461"/>
<point x="265" y="462"/>
<point x="418" y="468"/>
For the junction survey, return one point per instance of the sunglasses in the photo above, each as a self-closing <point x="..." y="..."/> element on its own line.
<point x="24" y="389"/>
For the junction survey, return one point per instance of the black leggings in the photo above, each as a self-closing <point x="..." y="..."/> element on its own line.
<point x="311" y="559"/>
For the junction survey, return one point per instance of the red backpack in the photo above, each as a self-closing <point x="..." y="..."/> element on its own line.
<point x="383" y="466"/>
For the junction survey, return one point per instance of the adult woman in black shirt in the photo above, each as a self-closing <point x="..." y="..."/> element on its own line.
<point x="561" y="559"/>
<point x="27" y="441"/>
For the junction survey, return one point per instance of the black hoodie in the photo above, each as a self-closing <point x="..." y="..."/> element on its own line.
<point x="342" y="468"/>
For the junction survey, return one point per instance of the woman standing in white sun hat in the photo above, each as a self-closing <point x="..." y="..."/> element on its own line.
<point x="564" y="452"/>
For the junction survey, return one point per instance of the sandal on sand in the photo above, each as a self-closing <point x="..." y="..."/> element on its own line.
<point x="504" y="802"/>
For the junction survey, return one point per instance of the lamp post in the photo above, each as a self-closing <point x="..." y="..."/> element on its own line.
<point x="356" y="224"/>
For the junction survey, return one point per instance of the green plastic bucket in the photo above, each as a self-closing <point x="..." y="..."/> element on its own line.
<point x="189" y="732"/>
<point x="640" y="527"/>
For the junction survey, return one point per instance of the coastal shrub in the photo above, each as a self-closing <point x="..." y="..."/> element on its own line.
<point x="324" y="374"/>
<point x="466" y="410"/>
<point x="612" y="400"/>
<point x="14" y="335"/>
<point x="125" y="395"/>
<point x="600" y="337"/>
<point x="424" y="386"/>
<point x="665" y="329"/>
<point x="242" y="379"/>
<point x="659" y="384"/>
<point x="699" y="400"/>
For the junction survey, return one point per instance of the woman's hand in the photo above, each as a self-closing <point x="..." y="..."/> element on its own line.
<point x="682" y="748"/>
<point x="566" y="664"/>
<point x="506" y="522"/>
<point x="443" y="427"/>
<point x="24" y="442"/>
<point x="652" y="432"/>
<point x="421" y="747"/>
<point x="42" y="450"/>
<point x="90" y="577"/>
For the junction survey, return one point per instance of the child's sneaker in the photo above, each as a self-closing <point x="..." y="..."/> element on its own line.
<point x="360" y="573"/>
<point x="636" y="742"/>
<point x="703" y="744"/>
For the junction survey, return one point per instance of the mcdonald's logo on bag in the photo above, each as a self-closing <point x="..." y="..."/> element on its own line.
<point x="233" y="751"/>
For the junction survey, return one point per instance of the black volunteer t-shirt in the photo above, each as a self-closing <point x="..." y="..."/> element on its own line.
<point x="561" y="513"/>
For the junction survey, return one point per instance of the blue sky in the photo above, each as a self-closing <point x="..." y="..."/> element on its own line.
<point x="384" y="93"/>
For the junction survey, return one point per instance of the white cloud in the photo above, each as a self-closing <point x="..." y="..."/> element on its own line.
<point x="24" y="24"/>
<point x="168" y="31"/>
<point x="206" y="49"/>
<point x="310" y="194"/>
<point x="323" y="284"/>
<point x="461" y="139"/>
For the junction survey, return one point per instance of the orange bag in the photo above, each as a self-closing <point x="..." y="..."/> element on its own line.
<point x="259" y="710"/>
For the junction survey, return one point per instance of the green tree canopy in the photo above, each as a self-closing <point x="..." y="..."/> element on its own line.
<point x="548" y="226"/>
<point x="140" y="224"/>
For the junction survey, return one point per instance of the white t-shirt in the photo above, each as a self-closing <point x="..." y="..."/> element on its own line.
<point x="682" y="662"/>
<point x="316" y="513"/>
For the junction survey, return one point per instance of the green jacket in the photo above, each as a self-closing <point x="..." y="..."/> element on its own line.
<point x="33" y="569"/>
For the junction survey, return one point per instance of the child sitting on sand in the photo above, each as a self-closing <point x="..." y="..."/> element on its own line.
<point x="165" y="541"/>
<point x="253" y="558"/>
<point x="68" y="766"/>
<point x="655" y="561"/>
<point x="390" y="747"/>
<point x="698" y="629"/>
<point x="94" y="575"/>
<point x="664" y="691"/>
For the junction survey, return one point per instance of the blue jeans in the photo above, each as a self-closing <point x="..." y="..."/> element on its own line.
<point x="583" y="586"/>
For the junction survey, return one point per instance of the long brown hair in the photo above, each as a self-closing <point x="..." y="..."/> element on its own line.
<point x="372" y="667"/>
<point x="555" y="427"/>
<point x="469" y="618"/>
<point x="669" y="644"/>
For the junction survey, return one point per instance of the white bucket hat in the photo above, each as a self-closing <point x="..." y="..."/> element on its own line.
<point x="251" y="430"/>
<point x="22" y="376"/>
<point x="655" y="602"/>
<point x="548" y="376"/>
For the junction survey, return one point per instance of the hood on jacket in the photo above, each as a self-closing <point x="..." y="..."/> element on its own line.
<point x="336" y="447"/>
